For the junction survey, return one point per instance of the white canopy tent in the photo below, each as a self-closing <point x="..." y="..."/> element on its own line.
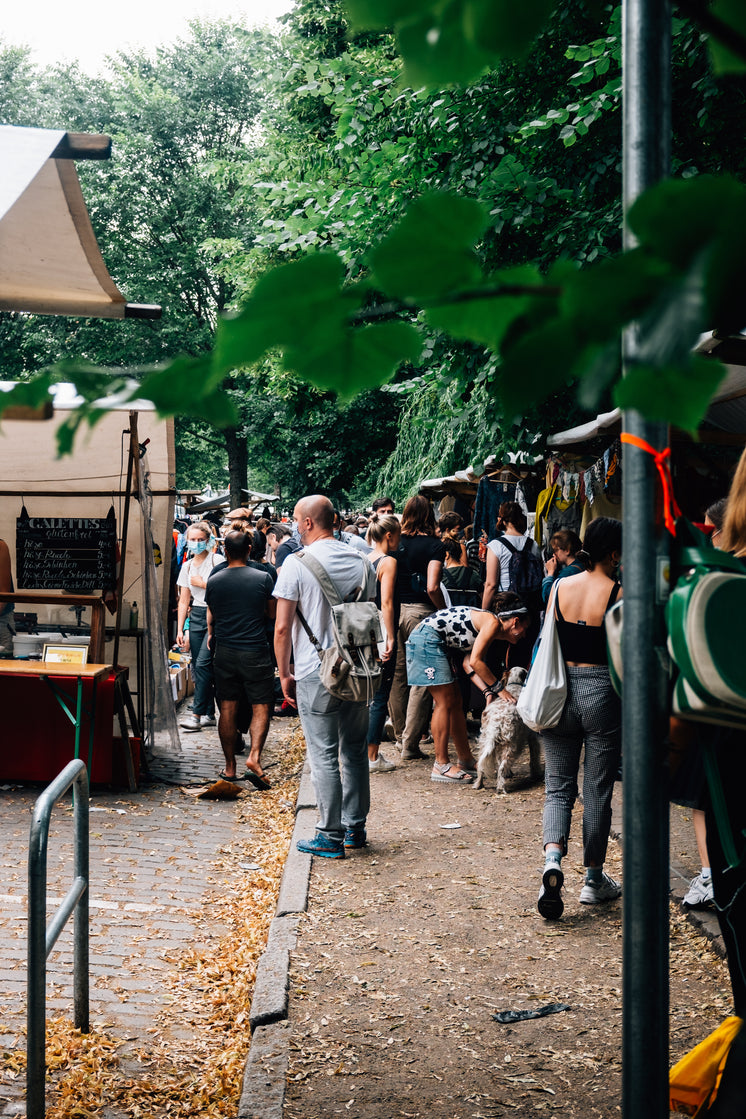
<point x="50" y="262"/>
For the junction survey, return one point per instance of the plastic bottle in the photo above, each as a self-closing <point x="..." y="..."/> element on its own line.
<point x="134" y="616"/>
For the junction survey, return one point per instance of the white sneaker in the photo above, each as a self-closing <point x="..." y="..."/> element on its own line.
<point x="190" y="722"/>
<point x="207" y="721"/>
<point x="700" y="893"/>
<point x="605" y="890"/>
<point x="380" y="765"/>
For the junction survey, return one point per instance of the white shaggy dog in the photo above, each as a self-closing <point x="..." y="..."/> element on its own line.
<point x="504" y="735"/>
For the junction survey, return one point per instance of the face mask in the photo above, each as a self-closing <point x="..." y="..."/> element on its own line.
<point x="197" y="546"/>
<point x="337" y="534"/>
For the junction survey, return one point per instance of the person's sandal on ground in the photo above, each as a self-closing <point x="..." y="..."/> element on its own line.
<point x="258" y="780"/>
<point x="449" y="774"/>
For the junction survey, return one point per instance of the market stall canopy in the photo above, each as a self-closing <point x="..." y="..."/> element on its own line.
<point x="218" y="500"/>
<point x="50" y="262"/>
<point x="463" y="482"/>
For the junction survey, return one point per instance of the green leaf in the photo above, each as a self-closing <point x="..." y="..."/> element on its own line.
<point x="28" y="394"/>
<point x="368" y="14"/>
<point x="436" y="50"/>
<point x="431" y="251"/>
<point x="358" y="359"/>
<point x="613" y="292"/>
<point x="677" y="218"/>
<point x="485" y="319"/>
<point x="538" y="364"/>
<point x="504" y="27"/>
<point x="185" y="387"/>
<point x="724" y="59"/>
<point x="678" y="394"/>
<point x="301" y="299"/>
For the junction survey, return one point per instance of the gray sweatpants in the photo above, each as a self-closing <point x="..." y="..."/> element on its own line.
<point x="591" y="716"/>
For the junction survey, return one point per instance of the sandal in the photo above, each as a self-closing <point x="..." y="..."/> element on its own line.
<point x="441" y="773"/>
<point x="223" y="776"/>
<point x="257" y="780"/>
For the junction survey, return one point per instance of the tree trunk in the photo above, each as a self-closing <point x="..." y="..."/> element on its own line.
<point x="238" y="464"/>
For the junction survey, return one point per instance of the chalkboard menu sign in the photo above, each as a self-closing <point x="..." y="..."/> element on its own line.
<point x="74" y="554"/>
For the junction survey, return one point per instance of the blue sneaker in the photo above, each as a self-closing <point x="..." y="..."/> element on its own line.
<point x="322" y="846"/>
<point x="355" y="837"/>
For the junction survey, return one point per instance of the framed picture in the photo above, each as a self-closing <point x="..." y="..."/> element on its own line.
<point x="65" y="654"/>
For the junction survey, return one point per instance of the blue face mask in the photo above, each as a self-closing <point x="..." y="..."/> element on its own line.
<point x="196" y="546"/>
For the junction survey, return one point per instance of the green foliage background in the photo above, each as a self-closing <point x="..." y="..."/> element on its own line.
<point x="457" y="245"/>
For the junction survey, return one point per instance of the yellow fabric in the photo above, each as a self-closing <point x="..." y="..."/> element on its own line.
<point x="695" y="1079"/>
<point x="543" y="504"/>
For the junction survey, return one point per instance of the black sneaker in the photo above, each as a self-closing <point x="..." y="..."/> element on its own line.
<point x="355" y="837"/>
<point x="550" y="903"/>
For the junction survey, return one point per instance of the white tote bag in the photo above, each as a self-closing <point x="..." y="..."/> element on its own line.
<point x="542" y="699"/>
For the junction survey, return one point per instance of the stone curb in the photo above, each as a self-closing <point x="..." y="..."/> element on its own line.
<point x="265" y="1072"/>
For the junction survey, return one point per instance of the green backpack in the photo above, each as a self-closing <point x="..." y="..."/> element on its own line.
<point x="705" y="617"/>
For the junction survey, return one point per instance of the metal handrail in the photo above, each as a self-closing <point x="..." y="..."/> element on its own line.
<point x="41" y="939"/>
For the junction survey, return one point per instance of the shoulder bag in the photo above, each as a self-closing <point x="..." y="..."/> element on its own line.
<point x="541" y="702"/>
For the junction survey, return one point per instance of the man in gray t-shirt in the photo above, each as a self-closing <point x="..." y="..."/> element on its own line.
<point x="334" y="729"/>
<point x="239" y="601"/>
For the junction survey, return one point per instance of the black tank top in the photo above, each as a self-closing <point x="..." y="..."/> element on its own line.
<point x="581" y="642"/>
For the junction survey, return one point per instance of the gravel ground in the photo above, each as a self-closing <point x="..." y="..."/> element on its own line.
<point x="410" y="946"/>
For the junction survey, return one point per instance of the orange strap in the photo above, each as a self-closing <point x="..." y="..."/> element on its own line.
<point x="670" y="505"/>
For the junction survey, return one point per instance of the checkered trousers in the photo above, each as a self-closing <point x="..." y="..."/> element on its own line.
<point x="591" y="716"/>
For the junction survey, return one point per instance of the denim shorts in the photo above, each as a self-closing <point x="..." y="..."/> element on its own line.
<point x="428" y="664"/>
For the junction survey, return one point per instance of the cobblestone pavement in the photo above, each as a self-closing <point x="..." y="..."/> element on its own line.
<point x="152" y="861"/>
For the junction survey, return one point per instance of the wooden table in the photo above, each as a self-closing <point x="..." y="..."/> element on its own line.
<point x="53" y="675"/>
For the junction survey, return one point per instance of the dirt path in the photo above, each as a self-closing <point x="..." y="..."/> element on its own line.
<point x="410" y="946"/>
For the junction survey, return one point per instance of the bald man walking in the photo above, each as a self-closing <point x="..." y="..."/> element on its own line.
<point x="335" y="730"/>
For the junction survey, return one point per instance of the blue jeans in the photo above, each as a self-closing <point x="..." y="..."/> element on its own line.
<point x="204" y="687"/>
<point x="335" y="732"/>
<point x="379" y="707"/>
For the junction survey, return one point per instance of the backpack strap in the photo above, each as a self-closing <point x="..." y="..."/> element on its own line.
<point x="328" y="586"/>
<point x="511" y="547"/>
<point x="311" y="635"/>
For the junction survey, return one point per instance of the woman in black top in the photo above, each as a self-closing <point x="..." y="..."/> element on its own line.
<point x="420" y="560"/>
<point x="591" y="718"/>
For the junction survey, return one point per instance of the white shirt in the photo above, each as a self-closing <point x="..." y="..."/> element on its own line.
<point x="203" y="570"/>
<point x="347" y="568"/>
<point x="503" y="554"/>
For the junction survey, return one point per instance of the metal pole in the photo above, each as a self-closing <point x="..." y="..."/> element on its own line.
<point x="646" y="156"/>
<point x="36" y="998"/>
<point x="80" y="919"/>
<point x="41" y="939"/>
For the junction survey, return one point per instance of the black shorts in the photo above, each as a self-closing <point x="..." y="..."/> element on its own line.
<point x="244" y="672"/>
